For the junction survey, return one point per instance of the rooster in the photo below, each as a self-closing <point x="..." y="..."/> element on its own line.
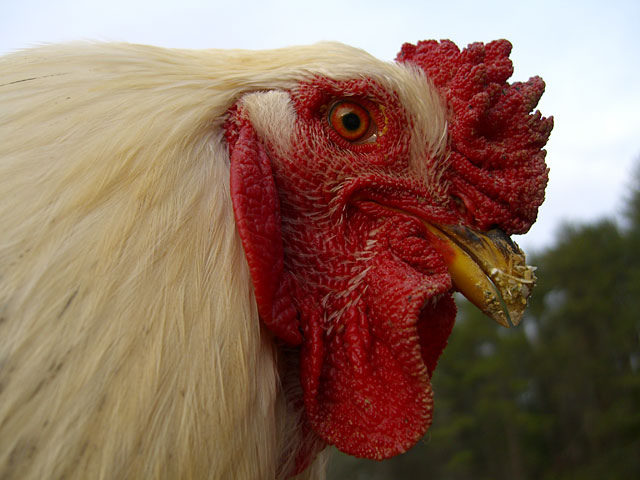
<point x="215" y="263"/>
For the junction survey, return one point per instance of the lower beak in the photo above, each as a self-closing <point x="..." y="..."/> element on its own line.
<point x="488" y="269"/>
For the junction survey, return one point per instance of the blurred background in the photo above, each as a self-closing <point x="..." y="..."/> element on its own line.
<point x="559" y="396"/>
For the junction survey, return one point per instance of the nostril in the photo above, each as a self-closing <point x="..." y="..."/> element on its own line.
<point x="459" y="205"/>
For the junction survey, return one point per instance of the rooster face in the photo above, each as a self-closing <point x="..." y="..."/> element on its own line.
<point x="363" y="203"/>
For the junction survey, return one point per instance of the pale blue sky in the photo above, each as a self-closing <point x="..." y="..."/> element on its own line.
<point x="588" y="53"/>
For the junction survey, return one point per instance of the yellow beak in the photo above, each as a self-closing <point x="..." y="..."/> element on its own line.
<point x="489" y="270"/>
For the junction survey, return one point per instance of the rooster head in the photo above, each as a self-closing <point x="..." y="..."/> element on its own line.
<point x="364" y="198"/>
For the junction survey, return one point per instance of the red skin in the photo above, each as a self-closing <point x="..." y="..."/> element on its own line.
<point x="361" y="289"/>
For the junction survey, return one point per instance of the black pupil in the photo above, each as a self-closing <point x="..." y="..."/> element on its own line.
<point x="351" y="121"/>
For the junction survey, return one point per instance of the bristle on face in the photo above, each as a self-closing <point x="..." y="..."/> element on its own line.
<point x="497" y="167"/>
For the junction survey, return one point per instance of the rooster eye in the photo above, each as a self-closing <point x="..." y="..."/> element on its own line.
<point x="352" y="121"/>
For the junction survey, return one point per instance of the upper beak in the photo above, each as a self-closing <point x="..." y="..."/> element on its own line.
<point x="489" y="269"/>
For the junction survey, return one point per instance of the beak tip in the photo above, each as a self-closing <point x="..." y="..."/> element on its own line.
<point x="491" y="271"/>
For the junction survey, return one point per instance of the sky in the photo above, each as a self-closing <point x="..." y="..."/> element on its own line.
<point x="588" y="53"/>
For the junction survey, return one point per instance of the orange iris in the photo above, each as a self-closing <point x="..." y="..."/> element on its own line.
<point x="350" y="120"/>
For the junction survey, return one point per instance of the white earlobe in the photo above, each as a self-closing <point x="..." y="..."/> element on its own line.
<point x="273" y="118"/>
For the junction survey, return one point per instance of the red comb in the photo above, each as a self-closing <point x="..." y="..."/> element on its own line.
<point x="497" y="160"/>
